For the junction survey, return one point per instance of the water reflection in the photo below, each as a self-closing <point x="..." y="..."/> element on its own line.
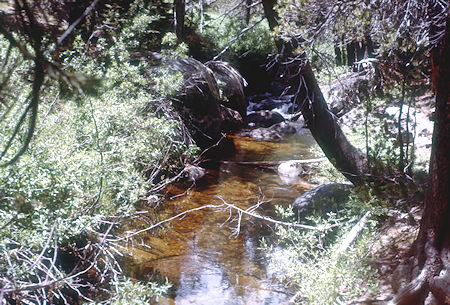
<point x="198" y="254"/>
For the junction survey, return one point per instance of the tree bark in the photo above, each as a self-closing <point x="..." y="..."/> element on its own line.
<point x="351" y="47"/>
<point x="272" y="19"/>
<point x="431" y="259"/>
<point x="323" y="125"/>
<point x="337" y="54"/>
<point x="179" y="12"/>
<point x="248" y="4"/>
<point x="270" y="13"/>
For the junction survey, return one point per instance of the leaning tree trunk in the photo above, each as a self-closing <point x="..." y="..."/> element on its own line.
<point x="323" y="125"/>
<point x="431" y="261"/>
<point x="247" y="12"/>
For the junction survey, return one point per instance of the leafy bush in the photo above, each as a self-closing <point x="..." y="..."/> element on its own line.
<point x="258" y="40"/>
<point x="308" y="259"/>
<point x="132" y="292"/>
<point x="92" y="160"/>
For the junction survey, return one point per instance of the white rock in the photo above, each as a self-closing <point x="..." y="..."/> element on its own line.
<point x="290" y="169"/>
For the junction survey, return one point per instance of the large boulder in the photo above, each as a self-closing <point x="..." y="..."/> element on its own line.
<point x="264" y="118"/>
<point x="321" y="200"/>
<point x="275" y="132"/>
<point x="344" y="93"/>
<point x="231" y="86"/>
<point x="198" y="104"/>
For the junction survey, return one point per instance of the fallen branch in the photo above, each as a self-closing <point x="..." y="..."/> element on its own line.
<point x="225" y="204"/>
<point x="353" y="234"/>
<point x="273" y="163"/>
<point x="131" y="234"/>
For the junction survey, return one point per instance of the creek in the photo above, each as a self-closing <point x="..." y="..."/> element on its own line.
<point x="199" y="253"/>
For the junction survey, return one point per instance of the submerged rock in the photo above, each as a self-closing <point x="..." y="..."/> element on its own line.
<point x="290" y="169"/>
<point x="194" y="173"/>
<point x="322" y="199"/>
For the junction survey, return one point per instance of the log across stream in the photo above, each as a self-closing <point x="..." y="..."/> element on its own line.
<point x="202" y="253"/>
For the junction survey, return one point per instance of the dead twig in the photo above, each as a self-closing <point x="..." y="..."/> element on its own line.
<point x="249" y="212"/>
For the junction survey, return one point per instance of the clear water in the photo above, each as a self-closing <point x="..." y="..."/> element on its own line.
<point x="199" y="253"/>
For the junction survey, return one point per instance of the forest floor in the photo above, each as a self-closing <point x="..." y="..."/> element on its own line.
<point x="399" y="230"/>
<point x="396" y="238"/>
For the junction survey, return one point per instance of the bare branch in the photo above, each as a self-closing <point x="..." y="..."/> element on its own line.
<point x="128" y="234"/>
<point x="75" y="23"/>
<point x="250" y="213"/>
<point x="353" y="234"/>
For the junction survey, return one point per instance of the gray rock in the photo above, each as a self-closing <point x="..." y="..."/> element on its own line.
<point x="264" y="118"/>
<point x="231" y="119"/>
<point x="198" y="103"/>
<point x="322" y="199"/>
<point x="344" y="93"/>
<point x="274" y="132"/>
<point x="194" y="173"/>
<point x="400" y="276"/>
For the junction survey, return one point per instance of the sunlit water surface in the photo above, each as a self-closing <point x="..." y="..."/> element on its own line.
<point x="199" y="253"/>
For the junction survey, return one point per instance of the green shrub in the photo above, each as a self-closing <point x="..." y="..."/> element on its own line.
<point x="308" y="260"/>
<point x="132" y="292"/>
<point x="92" y="158"/>
<point x="258" y="40"/>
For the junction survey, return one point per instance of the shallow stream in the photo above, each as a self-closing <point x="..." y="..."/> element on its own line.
<point x="199" y="253"/>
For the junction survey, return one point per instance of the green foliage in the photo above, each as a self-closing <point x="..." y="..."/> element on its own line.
<point x="127" y="291"/>
<point x="398" y="31"/>
<point x="92" y="158"/>
<point x="257" y="40"/>
<point x="132" y="292"/>
<point x="308" y="259"/>
<point x="326" y="74"/>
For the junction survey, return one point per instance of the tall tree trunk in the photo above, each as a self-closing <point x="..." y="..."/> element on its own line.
<point x="179" y="12"/>
<point x="432" y="246"/>
<point x="369" y="47"/>
<point x="272" y="20"/>
<point x="360" y="50"/>
<point x="270" y="13"/>
<point x="351" y="47"/>
<point x="337" y="54"/>
<point x="248" y="4"/>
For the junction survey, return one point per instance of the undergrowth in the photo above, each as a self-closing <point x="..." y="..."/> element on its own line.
<point x="93" y="159"/>
<point x="309" y="260"/>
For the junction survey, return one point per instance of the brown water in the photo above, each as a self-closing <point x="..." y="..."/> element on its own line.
<point x="199" y="253"/>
